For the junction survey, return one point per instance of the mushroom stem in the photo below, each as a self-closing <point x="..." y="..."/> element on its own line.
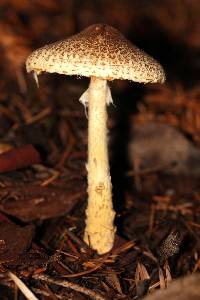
<point x="100" y="230"/>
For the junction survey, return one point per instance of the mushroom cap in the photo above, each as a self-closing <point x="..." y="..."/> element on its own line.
<point x="101" y="51"/>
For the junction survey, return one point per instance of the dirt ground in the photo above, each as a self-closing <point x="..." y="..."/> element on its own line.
<point x="43" y="152"/>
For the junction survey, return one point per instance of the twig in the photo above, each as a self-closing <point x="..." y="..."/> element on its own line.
<point x="46" y="294"/>
<point x="8" y="113"/>
<point x="146" y="171"/>
<point x="41" y="115"/>
<point x="21" y="80"/>
<point x="54" y="176"/>
<point x="23" y="288"/>
<point x="68" y="148"/>
<point x="70" y="285"/>
<point x="78" y="241"/>
<point x="87" y="271"/>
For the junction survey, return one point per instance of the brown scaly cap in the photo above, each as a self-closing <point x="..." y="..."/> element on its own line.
<point x="100" y="50"/>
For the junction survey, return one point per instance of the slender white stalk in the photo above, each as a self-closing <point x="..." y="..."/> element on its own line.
<point x="23" y="288"/>
<point x="100" y="230"/>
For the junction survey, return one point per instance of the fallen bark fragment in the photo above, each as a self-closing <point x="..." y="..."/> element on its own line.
<point x="19" y="158"/>
<point x="29" y="202"/>
<point x="186" y="288"/>
<point x="161" y="147"/>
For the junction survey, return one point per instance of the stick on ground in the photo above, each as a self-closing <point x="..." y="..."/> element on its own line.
<point x="23" y="288"/>
<point x="70" y="285"/>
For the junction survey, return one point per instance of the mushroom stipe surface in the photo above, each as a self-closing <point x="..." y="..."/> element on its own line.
<point x="102" y="53"/>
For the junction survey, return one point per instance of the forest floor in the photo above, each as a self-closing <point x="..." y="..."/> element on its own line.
<point x="43" y="196"/>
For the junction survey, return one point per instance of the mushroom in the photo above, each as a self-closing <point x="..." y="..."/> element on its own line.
<point x="102" y="53"/>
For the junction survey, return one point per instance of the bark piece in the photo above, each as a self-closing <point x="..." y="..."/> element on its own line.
<point x="162" y="147"/>
<point x="29" y="202"/>
<point x="19" y="158"/>
<point x="186" y="288"/>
